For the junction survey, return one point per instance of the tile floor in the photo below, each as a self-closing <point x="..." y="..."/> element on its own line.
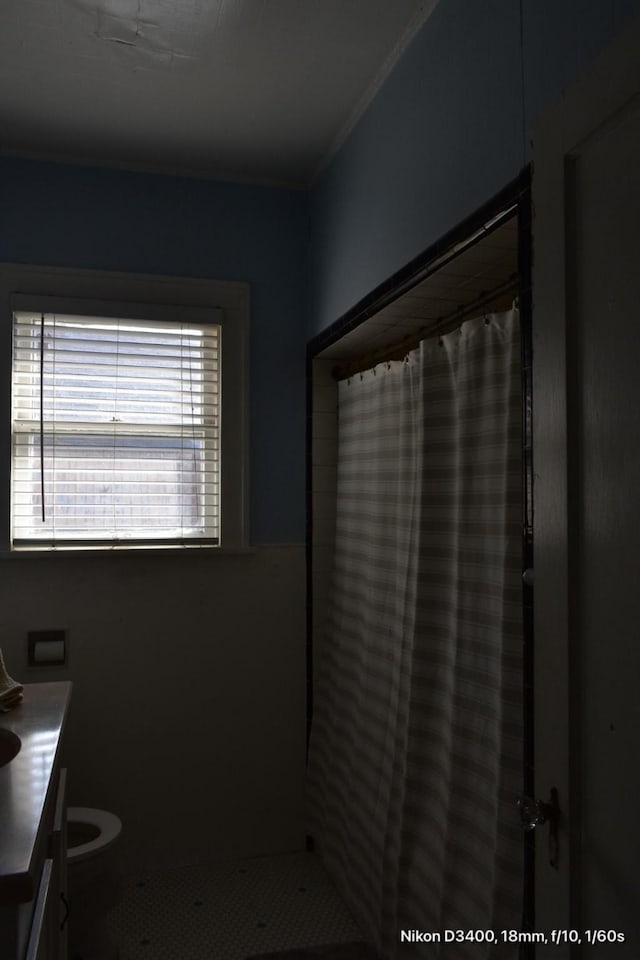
<point x="232" y="912"/>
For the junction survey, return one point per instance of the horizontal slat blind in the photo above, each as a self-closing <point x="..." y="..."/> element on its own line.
<point x="116" y="431"/>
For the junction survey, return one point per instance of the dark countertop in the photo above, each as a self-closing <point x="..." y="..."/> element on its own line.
<point x="26" y="784"/>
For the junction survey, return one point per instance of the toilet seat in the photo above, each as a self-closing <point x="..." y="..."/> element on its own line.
<point x="107" y="823"/>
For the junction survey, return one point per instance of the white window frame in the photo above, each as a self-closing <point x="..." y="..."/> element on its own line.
<point x="83" y="290"/>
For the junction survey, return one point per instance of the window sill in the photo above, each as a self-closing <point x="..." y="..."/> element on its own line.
<point x="39" y="553"/>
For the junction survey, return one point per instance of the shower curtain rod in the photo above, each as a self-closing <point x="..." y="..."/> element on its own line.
<point x="398" y="351"/>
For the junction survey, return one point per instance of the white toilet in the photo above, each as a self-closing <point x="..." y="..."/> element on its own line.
<point x="94" y="881"/>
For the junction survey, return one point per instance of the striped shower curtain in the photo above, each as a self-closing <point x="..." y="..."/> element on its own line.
<point x="415" y="756"/>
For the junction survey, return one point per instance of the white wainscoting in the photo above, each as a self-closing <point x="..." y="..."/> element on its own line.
<point x="188" y="708"/>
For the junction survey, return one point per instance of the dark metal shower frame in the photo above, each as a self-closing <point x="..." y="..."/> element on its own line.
<point x="513" y="201"/>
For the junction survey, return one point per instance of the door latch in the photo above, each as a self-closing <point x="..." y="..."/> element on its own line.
<point x="535" y="813"/>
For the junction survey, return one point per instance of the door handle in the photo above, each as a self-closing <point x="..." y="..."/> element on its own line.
<point x="535" y="813"/>
<point x="66" y="911"/>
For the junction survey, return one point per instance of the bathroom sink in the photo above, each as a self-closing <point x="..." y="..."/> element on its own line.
<point x="9" y="746"/>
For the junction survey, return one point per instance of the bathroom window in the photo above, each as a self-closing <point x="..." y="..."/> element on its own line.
<point x="119" y="435"/>
<point x="116" y="429"/>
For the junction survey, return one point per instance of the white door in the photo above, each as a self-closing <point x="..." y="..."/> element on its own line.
<point x="586" y="437"/>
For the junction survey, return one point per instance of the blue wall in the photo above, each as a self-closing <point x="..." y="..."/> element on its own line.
<point x="450" y="127"/>
<point x="76" y="216"/>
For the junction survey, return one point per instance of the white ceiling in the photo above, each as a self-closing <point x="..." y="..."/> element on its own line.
<point x="249" y="90"/>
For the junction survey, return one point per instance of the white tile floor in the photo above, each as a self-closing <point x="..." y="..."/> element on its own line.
<point x="230" y="913"/>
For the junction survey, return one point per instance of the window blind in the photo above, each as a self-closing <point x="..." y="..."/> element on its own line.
<point x="116" y="431"/>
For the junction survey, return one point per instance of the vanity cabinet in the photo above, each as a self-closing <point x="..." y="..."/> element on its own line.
<point x="40" y="943"/>
<point x="58" y="857"/>
<point x="33" y="823"/>
<point x="48" y="928"/>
